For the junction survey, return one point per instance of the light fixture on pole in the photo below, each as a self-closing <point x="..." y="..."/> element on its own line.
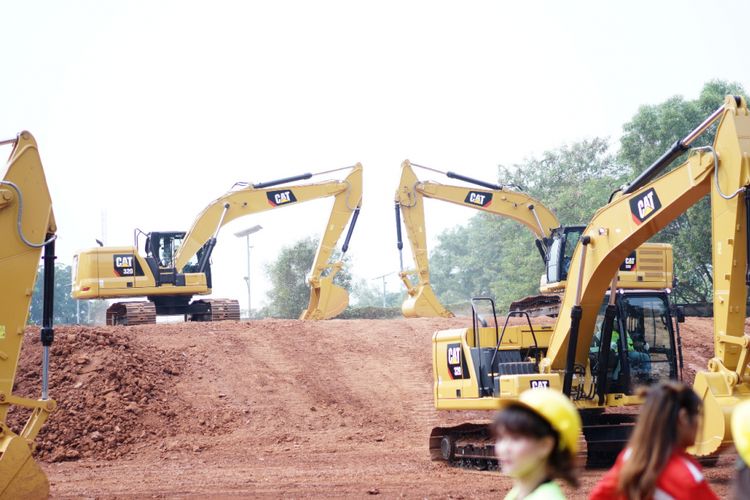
<point x="246" y="233"/>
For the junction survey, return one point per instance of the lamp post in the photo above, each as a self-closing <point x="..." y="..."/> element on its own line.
<point x="383" y="278"/>
<point x="246" y="233"/>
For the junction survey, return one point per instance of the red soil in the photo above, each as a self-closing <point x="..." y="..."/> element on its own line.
<point x="338" y="408"/>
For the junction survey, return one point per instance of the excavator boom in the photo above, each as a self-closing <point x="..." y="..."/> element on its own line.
<point x="492" y="198"/>
<point x="27" y="225"/>
<point x="326" y="299"/>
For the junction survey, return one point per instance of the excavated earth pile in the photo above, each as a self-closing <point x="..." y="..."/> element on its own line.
<point x="113" y="392"/>
<point x="266" y="408"/>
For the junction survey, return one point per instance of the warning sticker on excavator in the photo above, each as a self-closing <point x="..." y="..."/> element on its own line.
<point x="276" y="198"/>
<point x="644" y="206"/>
<point x="2" y="331"/>
<point x="478" y="198"/>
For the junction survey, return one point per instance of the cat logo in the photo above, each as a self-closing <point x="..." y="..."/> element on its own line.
<point x="454" y="355"/>
<point x="277" y="198"/>
<point x="479" y="199"/>
<point x="629" y="263"/>
<point x="539" y="384"/>
<point x="125" y="264"/>
<point x="124" y="260"/>
<point x="644" y="206"/>
<point x="456" y="363"/>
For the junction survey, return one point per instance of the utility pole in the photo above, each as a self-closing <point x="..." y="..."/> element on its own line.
<point x="383" y="278"/>
<point x="246" y="233"/>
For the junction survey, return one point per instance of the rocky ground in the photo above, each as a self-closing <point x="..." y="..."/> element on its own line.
<point x="339" y="408"/>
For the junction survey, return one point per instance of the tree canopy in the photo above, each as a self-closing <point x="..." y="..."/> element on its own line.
<point x="290" y="291"/>
<point x="66" y="309"/>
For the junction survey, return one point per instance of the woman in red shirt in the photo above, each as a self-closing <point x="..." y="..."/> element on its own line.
<point x="655" y="464"/>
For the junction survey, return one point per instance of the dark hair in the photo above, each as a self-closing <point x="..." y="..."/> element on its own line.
<point x="518" y="420"/>
<point x="655" y="437"/>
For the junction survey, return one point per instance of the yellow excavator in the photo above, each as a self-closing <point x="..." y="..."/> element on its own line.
<point x="175" y="266"/>
<point x="598" y="355"/>
<point x="27" y="225"/>
<point x="648" y="267"/>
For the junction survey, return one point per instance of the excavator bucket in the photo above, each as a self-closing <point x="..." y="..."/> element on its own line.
<point x="20" y="475"/>
<point x="719" y="399"/>
<point x="424" y="304"/>
<point x="326" y="301"/>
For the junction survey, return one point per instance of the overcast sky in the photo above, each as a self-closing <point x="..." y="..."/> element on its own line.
<point x="147" y="111"/>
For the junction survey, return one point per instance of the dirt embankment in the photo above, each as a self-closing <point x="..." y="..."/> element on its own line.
<point x="337" y="408"/>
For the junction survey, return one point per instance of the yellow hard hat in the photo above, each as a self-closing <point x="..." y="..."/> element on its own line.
<point x="741" y="430"/>
<point x="556" y="409"/>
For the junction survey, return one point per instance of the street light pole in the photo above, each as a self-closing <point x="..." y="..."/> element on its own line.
<point x="383" y="278"/>
<point x="246" y="233"/>
<point x="247" y="278"/>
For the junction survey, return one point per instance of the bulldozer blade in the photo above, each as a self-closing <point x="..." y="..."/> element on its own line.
<point x="424" y="304"/>
<point x="719" y="399"/>
<point x="20" y="475"/>
<point x="326" y="301"/>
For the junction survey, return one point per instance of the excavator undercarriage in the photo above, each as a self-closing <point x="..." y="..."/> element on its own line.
<point x="145" y="312"/>
<point x="471" y="446"/>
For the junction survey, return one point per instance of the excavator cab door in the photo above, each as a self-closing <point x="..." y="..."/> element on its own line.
<point x="560" y="250"/>
<point x="161" y="253"/>
<point x="643" y="350"/>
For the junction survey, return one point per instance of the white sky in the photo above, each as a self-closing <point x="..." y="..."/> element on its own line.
<point x="147" y="111"/>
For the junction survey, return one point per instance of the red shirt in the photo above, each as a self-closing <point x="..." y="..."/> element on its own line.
<point x="681" y="479"/>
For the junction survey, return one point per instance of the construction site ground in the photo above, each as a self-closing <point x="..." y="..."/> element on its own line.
<point x="268" y="408"/>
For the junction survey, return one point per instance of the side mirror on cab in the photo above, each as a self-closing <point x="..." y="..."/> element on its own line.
<point x="680" y="314"/>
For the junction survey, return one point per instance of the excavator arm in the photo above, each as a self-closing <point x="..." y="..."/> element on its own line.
<point x="27" y="225"/>
<point x="492" y="198"/>
<point x="326" y="299"/>
<point x="644" y="207"/>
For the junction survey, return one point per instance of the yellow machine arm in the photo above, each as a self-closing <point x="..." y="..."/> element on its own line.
<point x="326" y="299"/>
<point x="644" y="207"/>
<point x="493" y="198"/>
<point x="27" y="225"/>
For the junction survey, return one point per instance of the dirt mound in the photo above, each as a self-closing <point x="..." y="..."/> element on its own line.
<point x="114" y="392"/>
<point x="262" y="408"/>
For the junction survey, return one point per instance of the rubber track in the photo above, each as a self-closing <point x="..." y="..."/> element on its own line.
<point x="131" y="313"/>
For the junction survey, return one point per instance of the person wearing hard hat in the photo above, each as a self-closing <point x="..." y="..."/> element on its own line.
<point x="741" y="438"/>
<point x="654" y="463"/>
<point x="536" y="440"/>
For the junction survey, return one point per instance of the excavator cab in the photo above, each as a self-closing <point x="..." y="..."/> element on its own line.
<point x="647" y="352"/>
<point x="161" y="249"/>
<point x="560" y="249"/>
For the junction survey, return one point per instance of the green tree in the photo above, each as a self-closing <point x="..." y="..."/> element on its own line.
<point x="649" y="134"/>
<point x="64" y="306"/>
<point x="369" y="294"/>
<point x="290" y="292"/>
